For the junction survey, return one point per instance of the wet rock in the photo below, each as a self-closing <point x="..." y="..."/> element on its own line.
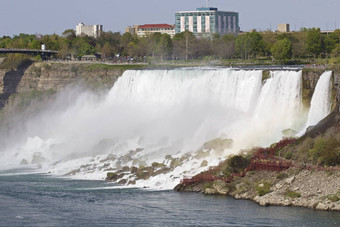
<point x="125" y="169"/>
<point x="132" y="182"/>
<point x="73" y="172"/>
<point x="210" y="191"/>
<point x="157" y="165"/>
<point x="24" y="162"/>
<point x="139" y="162"/>
<point x="113" y="176"/>
<point x="163" y="170"/>
<point x="144" y="173"/>
<point x="125" y="159"/>
<point x="85" y="166"/>
<point x="122" y="181"/>
<point x="175" y="162"/>
<point x="218" y="144"/>
<point x="202" y="154"/>
<point x="169" y="157"/>
<point x="322" y="206"/>
<point x="110" y="157"/>
<point x="204" y="163"/>
<point x="289" y="132"/>
<point x="133" y="169"/>
<point x="220" y="187"/>
<point x="37" y="158"/>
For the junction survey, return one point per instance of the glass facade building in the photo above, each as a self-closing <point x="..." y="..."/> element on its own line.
<point x="207" y="21"/>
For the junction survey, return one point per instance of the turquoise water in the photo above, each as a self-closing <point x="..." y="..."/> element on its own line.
<point x="31" y="199"/>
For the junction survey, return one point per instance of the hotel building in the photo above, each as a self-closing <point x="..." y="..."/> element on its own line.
<point x="205" y="22"/>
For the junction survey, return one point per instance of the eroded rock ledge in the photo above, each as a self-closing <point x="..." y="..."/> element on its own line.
<point x="317" y="189"/>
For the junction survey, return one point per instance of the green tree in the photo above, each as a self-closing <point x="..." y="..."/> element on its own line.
<point x="164" y="46"/>
<point x="314" y="42"/>
<point x="336" y="51"/>
<point x="282" y="50"/>
<point x="250" y="45"/>
<point x="299" y="40"/>
<point x="107" y="51"/>
<point x="86" y="49"/>
<point x="330" y="41"/>
<point x="125" y="40"/>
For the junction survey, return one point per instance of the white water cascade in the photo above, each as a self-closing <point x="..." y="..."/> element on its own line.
<point x="161" y="112"/>
<point x="321" y="100"/>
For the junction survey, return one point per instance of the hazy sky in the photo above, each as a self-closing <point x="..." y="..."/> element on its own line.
<point x="55" y="16"/>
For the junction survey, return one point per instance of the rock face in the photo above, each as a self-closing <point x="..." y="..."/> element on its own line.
<point x="43" y="76"/>
<point x="9" y="81"/>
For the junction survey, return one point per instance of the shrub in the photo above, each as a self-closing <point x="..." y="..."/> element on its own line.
<point x="281" y="176"/>
<point x="326" y="151"/>
<point x="14" y="61"/>
<point x="263" y="188"/>
<point x="293" y="194"/>
<point x="207" y="185"/>
<point x="333" y="198"/>
<point x="238" y="163"/>
<point x="289" y="155"/>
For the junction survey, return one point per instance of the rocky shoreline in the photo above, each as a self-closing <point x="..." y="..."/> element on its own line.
<point x="316" y="189"/>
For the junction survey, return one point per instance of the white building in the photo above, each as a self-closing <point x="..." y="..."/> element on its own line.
<point x="283" y="28"/>
<point x="147" y="29"/>
<point x="89" y="30"/>
<point x="207" y="21"/>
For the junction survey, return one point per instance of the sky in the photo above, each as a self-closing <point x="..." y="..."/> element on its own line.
<point x="55" y="16"/>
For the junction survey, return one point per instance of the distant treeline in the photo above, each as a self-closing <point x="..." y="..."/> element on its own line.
<point x="307" y="43"/>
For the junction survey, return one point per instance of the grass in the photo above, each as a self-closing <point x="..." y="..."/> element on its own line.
<point x="333" y="198"/>
<point x="293" y="194"/>
<point x="207" y="185"/>
<point x="117" y="67"/>
<point x="263" y="188"/>
<point x="281" y="176"/>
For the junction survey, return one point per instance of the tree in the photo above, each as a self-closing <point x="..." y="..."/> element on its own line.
<point x="164" y="47"/>
<point x="106" y="51"/>
<point x="183" y="44"/>
<point x="69" y="34"/>
<point x="86" y="49"/>
<point x="314" y="41"/>
<point x="282" y="50"/>
<point x="269" y="38"/>
<point x="329" y="42"/>
<point x="299" y="40"/>
<point x="336" y="51"/>
<point x="124" y="41"/>
<point x="250" y="45"/>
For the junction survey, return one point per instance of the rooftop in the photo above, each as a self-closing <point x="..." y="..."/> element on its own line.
<point x="207" y="9"/>
<point x="156" y="26"/>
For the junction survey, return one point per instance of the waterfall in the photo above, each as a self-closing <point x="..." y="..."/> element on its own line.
<point x="150" y="114"/>
<point x="321" y="100"/>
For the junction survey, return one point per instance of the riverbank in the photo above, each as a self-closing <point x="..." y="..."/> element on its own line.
<point x="302" y="172"/>
<point x="316" y="189"/>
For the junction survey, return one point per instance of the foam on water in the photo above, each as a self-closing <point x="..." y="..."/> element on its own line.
<point x="149" y="114"/>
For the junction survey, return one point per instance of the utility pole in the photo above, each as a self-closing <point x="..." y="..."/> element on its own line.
<point x="186" y="45"/>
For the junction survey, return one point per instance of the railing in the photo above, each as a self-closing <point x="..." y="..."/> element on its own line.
<point x="26" y="50"/>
